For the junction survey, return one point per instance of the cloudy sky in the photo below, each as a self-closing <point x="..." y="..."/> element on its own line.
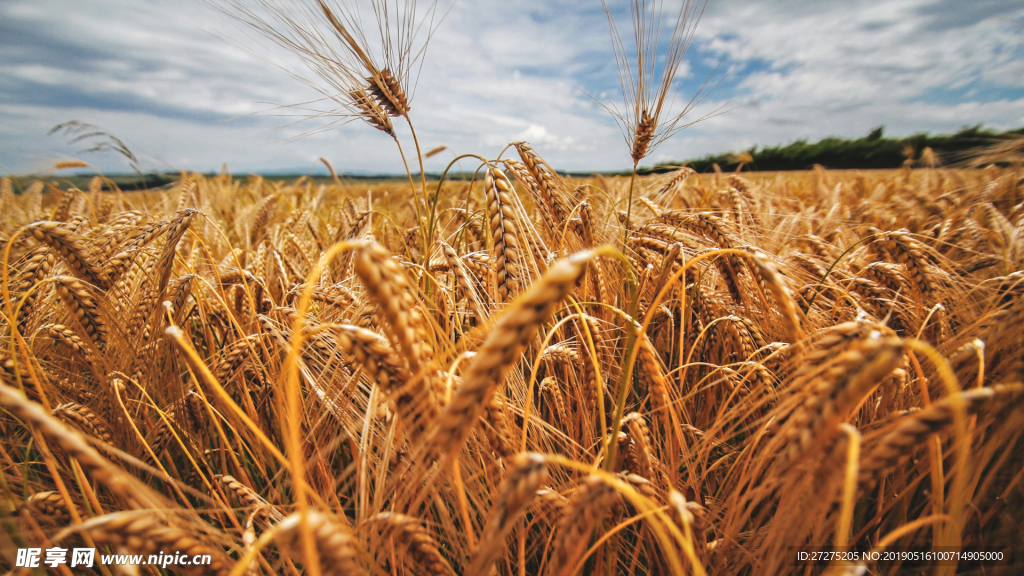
<point x="168" y="77"/>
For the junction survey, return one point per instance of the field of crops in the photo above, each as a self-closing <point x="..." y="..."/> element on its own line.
<point x="483" y="378"/>
<point x="508" y="371"/>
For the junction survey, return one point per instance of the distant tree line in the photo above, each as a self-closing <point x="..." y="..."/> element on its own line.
<point x="872" y="151"/>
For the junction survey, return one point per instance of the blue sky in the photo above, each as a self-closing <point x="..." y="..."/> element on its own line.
<point x="160" y="76"/>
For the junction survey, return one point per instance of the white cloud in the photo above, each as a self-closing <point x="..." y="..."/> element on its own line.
<point x="154" y="75"/>
<point x="842" y="68"/>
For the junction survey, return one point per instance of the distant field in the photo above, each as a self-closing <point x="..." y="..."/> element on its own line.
<point x="133" y="183"/>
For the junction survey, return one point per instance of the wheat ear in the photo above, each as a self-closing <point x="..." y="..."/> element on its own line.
<point x="837" y="389"/>
<point x="49" y="505"/>
<point x="529" y="472"/>
<point x="72" y="443"/>
<point x="504" y="231"/>
<point x="417" y="405"/>
<point x="371" y="111"/>
<point x="503" y="348"/>
<point x="144" y="532"/>
<point x="642" y="136"/>
<point x="84" y="307"/>
<point x="387" y="286"/>
<point x="61" y="238"/>
<point x="587" y="506"/>
<point x="85" y="420"/>
<point x="410" y="534"/>
<point x="389" y="92"/>
<point x="337" y="551"/>
<point x="915" y="428"/>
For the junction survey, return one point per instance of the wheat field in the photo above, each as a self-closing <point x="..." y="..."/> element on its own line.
<point x="509" y="371"/>
<point x="287" y="377"/>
